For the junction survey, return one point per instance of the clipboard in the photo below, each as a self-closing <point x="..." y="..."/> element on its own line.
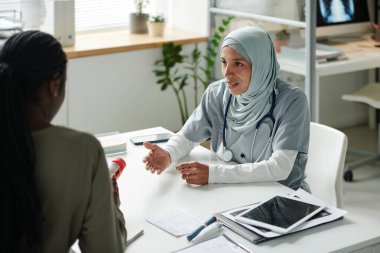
<point x="239" y="229"/>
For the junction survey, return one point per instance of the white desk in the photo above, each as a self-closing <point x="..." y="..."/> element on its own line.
<point x="361" y="54"/>
<point x="145" y="195"/>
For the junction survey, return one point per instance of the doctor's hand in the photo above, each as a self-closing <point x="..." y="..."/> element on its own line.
<point x="157" y="160"/>
<point x="194" y="172"/>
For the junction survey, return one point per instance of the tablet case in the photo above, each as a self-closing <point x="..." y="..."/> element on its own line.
<point x="236" y="227"/>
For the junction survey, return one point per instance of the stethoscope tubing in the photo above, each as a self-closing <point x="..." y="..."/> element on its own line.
<point x="225" y="121"/>
<point x="269" y="115"/>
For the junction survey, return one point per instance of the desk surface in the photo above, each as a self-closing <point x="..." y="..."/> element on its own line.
<point x="144" y="195"/>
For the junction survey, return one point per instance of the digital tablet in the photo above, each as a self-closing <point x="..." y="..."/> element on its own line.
<point x="280" y="214"/>
<point x="152" y="138"/>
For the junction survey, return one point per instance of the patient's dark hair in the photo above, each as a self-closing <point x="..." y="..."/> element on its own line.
<point x="28" y="60"/>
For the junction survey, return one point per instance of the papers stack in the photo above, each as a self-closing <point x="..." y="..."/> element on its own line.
<point x="323" y="53"/>
<point x="112" y="143"/>
<point x="256" y="234"/>
<point x="327" y="53"/>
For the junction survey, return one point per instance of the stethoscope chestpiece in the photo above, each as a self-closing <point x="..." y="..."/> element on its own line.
<point x="225" y="154"/>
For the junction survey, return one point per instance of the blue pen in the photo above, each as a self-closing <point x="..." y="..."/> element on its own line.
<point x="198" y="230"/>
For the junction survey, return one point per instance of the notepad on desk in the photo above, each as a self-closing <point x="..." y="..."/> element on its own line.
<point x="112" y="143"/>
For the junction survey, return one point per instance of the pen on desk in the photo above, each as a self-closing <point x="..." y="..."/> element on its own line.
<point x="244" y="248"/>
<point x="135" y="237"/>
<point x="198" y="230"/>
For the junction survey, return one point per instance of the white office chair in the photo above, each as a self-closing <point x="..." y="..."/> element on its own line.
<point x="370" y="95"/>
<point x="324" y="168"/>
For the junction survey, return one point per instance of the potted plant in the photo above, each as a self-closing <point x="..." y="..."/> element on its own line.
<point x="282" y="39"/>
<point x="156" y="25"/>
<point x="138" y="20"/>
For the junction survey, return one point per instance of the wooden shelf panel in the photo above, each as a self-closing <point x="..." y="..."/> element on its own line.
<point x="99" y="43"/>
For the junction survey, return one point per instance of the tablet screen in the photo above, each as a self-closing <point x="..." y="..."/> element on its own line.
<point x="281" y="212"/>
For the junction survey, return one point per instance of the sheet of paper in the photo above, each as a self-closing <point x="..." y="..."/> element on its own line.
<point x="177" y="222"/>
<point x="220" y="244"/>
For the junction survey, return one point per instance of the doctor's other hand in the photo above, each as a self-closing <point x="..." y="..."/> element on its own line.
<point x="157" y="160"/>
<point x="194" y="172"/>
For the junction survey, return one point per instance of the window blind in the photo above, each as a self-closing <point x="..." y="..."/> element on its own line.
<point x="29" y="11"/>
<point x="7" y="5"/>
<point x="100" y="14"/>
<point x="89" y="14"/>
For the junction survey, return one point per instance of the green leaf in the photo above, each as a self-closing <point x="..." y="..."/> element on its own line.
<point x="175" y="79"/>
<point x="163" y="87"/>
<point x="183" y="82"/>
<point x="227" y="21"/>
<point x="217" y="36"/>
<point x="215" y="42"/>
<point x="159" y="72"/>
<point x="213" y="54"/>
<point x="207" y="72"/>
<point x="160" y="81"/>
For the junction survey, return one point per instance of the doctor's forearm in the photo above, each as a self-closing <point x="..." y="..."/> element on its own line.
<point x="178" y="147"/>
<point x="277" y="168"/>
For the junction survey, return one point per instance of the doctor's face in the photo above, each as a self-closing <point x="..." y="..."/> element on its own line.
<point x="236" y="70"/>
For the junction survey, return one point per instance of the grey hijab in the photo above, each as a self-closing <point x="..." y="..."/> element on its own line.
<point x="248" y="108"/>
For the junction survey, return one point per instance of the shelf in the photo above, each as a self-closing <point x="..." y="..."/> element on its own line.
<point x="275" y="20"/>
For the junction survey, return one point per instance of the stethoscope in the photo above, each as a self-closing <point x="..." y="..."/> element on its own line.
<point x="226" y="154"/>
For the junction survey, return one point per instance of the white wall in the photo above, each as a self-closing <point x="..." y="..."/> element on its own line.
<point x="118" y="92"/>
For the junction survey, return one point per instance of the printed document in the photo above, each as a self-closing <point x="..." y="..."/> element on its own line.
<point x="177" y="222"/>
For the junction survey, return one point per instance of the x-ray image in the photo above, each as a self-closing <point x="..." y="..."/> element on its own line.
<point x="335" y="11"/>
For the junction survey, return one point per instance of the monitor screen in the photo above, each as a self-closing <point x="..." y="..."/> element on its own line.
<point x="336" y="17"/>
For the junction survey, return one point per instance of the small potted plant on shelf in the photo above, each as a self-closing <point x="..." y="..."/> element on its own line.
<point x="138" y="20"/>
<point x="156" y="25"/>
<point x="282" y="39"/>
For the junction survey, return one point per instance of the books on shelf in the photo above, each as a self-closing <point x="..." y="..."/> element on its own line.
<point x="257" y="235"/>
<point x="112" y="143"/>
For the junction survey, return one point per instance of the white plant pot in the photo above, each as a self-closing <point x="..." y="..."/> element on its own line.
<point x="156" y="29"/>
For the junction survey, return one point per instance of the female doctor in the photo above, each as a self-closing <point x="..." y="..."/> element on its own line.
<point x="253" y="119"/>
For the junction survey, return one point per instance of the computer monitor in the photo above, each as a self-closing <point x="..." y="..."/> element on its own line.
<point x="337" y="17"/>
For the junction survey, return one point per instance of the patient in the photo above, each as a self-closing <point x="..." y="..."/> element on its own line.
<point x="54" y="181"/>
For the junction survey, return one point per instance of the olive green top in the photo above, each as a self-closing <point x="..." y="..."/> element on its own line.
<point x="75" y="190"/>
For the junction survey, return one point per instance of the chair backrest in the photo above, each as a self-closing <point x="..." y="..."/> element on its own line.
<point x="325" y="165"/>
